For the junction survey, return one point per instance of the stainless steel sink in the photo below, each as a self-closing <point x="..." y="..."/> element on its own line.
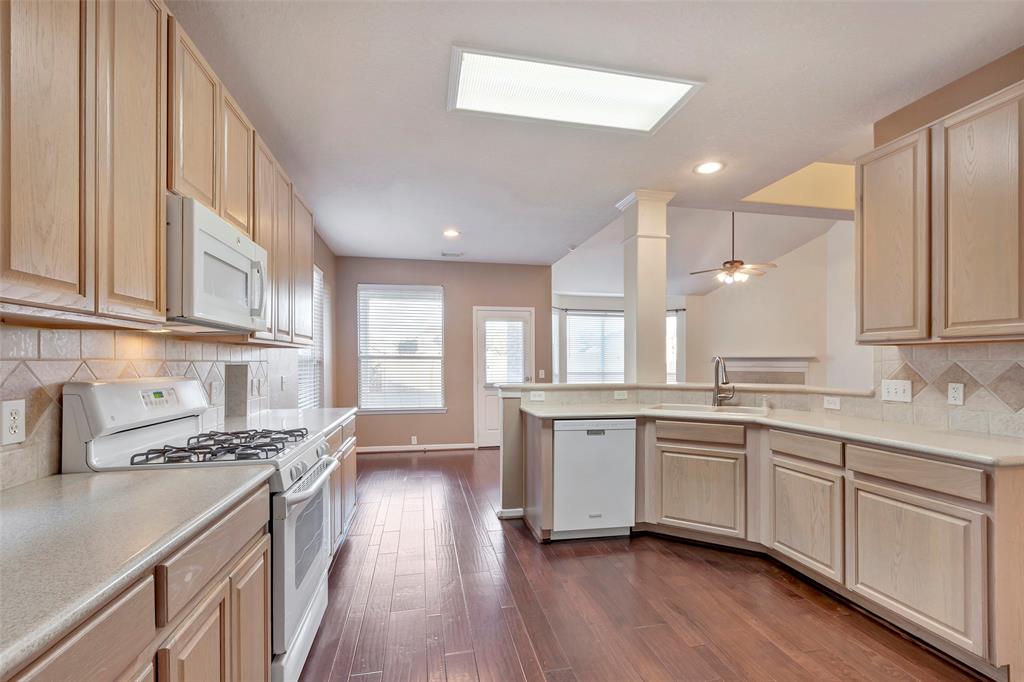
<point x="720" y="409"/>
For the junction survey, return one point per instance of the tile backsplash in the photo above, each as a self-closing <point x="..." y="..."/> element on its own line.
<point x="35" y="364"/>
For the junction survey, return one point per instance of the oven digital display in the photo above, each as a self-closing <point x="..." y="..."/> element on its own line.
<point x="160" y="397"/>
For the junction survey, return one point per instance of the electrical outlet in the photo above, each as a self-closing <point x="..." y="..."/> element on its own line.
<point x="537" y="396"/>
<point x="13" y="422"/>
<point x="412" y="440"/>
<point x="621" y="395"/>
<point x="896" y="390"/>
<point x="831" y="402"/>
<point x="955" y="394"/>
<point x="541" y="374"/>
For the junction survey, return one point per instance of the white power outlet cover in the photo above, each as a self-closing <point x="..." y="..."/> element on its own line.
<point x="537" y="396"/>
<point x="621" y="395"/>
<point x="13" y="422"/>
<point x="412" y="440"/>
<point x="955" y="394"/>
<point x="831" y="402"/>
<point x="896" y="390"/>
<point x="541" y="374"/>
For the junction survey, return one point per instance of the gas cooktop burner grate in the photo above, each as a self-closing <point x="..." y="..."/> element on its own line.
<point x="222" y="446"/>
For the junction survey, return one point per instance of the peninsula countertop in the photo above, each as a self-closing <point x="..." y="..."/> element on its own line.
<point x="957" y="445"/>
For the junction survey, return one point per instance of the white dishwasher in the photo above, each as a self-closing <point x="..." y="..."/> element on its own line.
<point x="594" y="478"/>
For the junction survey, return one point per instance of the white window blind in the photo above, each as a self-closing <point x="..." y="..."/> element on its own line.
<point x="504" y="351"/>
<point x="401" y="347"/>
<point x="670" y="347"/>
<point x="311" y="359"/>
<point x="594" y="347"/>
<point x="556" y="347"/>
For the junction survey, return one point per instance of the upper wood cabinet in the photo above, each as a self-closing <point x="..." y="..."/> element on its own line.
<point x="195" y="98"/>
<point x="892" y="223"/>
<point x="980" y="218"/>
<point x="131" y="112"/>
<point x="47" y="256"/>
<point x="302" y="259"/>
<point x="283" y="267"/>
<point x="264" y="217"/>
<point x="236" y="166"/>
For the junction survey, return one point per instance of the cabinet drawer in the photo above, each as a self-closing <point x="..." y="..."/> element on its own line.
<point x="700" y="432"/>
<point x="809" y="447"/>
<point x="952" y="479"/>
<point x="184" y="574"/>
<point x="107" y="644"/>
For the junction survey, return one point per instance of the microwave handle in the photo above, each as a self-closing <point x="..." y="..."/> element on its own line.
<point x="259" y="309"/>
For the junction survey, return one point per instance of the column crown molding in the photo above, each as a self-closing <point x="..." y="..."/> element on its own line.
<point x="644" y="195"/>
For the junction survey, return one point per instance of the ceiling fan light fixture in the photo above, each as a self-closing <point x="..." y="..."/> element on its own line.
<point x="741" y="277"/>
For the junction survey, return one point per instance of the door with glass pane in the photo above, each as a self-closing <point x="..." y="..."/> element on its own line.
<point x="504" y="355"/>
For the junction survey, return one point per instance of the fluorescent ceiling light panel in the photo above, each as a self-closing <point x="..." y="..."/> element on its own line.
<point x="528" y="88"/>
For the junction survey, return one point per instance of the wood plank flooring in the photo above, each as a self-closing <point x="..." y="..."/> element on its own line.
<point x="431" y="586"/>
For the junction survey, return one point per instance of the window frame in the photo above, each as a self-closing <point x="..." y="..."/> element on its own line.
<point x="359" y="356"/>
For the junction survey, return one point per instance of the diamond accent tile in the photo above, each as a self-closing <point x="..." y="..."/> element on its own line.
<point x="956" y="374"/>
<point x="1009" y="387"/>
<point x="53" y="374"/>
<point x="907" y="373"/>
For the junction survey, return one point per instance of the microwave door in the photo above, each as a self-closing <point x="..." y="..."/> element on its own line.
<point x="223" y="287"/>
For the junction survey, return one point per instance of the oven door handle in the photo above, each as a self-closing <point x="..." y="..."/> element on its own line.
<point x="292" y="499"/>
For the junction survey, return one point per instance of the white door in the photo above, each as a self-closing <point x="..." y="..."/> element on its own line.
<point x="503" y="345"/>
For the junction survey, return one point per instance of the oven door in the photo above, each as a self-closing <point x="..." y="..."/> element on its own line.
<point x="301" y="549"/>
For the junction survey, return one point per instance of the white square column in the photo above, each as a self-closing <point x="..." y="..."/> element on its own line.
<point x="645" y="234"/>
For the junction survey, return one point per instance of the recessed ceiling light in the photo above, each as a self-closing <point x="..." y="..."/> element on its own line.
<point x="709" y="167"/>
<point x="451" y="233"/>
<point x="530" y="88"/>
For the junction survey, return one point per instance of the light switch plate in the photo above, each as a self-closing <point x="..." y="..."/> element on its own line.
<point x="541" y="374"/>
<point x="537" y="396"/>
<point x="896" y="390"/>
<point x="621" y="395"/>
<point x="955" y="394"/>
<point x="13" y="422"/>
<point x="831" y="402"/>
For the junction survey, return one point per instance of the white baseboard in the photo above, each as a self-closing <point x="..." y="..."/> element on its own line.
<point x="368" y="449"/>
<point x="510" y="513"/>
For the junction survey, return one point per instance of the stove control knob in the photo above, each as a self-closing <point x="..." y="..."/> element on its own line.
<point x="295" y="471"/>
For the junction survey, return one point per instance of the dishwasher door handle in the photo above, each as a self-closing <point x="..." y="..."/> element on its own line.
<point x="595" y="432"/>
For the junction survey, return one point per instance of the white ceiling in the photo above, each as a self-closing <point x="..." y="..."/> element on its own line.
<point x="351" y="97"/>
<point x="698" y="240"/>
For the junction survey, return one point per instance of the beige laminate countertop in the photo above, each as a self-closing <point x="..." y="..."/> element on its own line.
<point x="966" y="447"/>
<point x="70" y="543"/>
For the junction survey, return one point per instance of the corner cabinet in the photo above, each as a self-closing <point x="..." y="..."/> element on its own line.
<point x="892" y="225"/>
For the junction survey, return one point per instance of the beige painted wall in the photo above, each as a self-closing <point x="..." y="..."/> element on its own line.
<point x="780" y="314"/>
<point x="465" y="285"/>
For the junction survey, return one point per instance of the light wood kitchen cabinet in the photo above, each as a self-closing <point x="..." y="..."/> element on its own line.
<point x="264" y="216"/>
<point x="236" y="165"/>
<point x="283" y="267"/>
<point x="200" y="649"/>
<point x="348" y="485"/>
<point x="806" y="502"/>
<point x="250" y="615"/>
<point x="47" y="228"/>
<point x="979" y="235"/>
<point x="131" y="56"/>
<point x="920" y="557"/>
<point x="147" y="673"/>
<point x="195" y="99"/>
<point x="892" y="238"/>
<point x="336" y="488"/>
<point x="703" y="488"/>
<point x="302" y="274"/>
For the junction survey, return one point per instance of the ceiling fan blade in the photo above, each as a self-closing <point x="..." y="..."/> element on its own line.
<point x="760" y="265"/>
<point x="701" y="272"/>
<point x="756" y="273"/>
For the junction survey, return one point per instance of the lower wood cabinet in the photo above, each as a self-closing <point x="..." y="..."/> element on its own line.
<point x="806" y="501"/>
<point x="337" y="505"/>
<point x="348" y="485"/>
<point x="200" y="649"/>
<point x="921" y="558"/>
<point x="250" y="615"/>
<point x="147" y="673"/>
<point x="703" y="488"/>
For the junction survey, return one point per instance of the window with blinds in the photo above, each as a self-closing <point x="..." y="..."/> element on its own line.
<point x="401" y="347"/>
<point x="311" y="359"/>
<point x="594" y="347"/>
<point x="670" y="347"/>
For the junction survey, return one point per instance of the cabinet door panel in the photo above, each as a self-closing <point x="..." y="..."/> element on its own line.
<point x="302" y="296"/>
<point x="703" y="489"/>
<point x="892" y="222"/>
<point x="264" y="214"/>
<point x="195" y="99"/>
<point x="131" y="53"/>
<point x="348" y="482"/>
<point x="250" y="615"/>
<point x="46" y="226"/>
<point x="982" y="234"/>
<point x="807" y="515"/>
<point x="236" y="165"/>
<point x="337" y="505"/>
<point x="921" y="558"/>
<point x="283" y="257"/>
<point x="199" y="650"/>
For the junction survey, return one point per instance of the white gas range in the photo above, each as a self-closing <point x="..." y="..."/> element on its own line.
<point x="157" y="423"/>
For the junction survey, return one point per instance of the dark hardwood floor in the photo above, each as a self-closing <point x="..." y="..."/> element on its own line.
<point x="430" y="585"/>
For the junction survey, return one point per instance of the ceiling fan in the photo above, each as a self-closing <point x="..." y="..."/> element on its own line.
<point x="735" y="270"/>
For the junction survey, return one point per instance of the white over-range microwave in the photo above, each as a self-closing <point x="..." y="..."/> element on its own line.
<point x="216" y="276"/>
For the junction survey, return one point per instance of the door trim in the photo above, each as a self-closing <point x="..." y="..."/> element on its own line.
<point x="531" y="365"/>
